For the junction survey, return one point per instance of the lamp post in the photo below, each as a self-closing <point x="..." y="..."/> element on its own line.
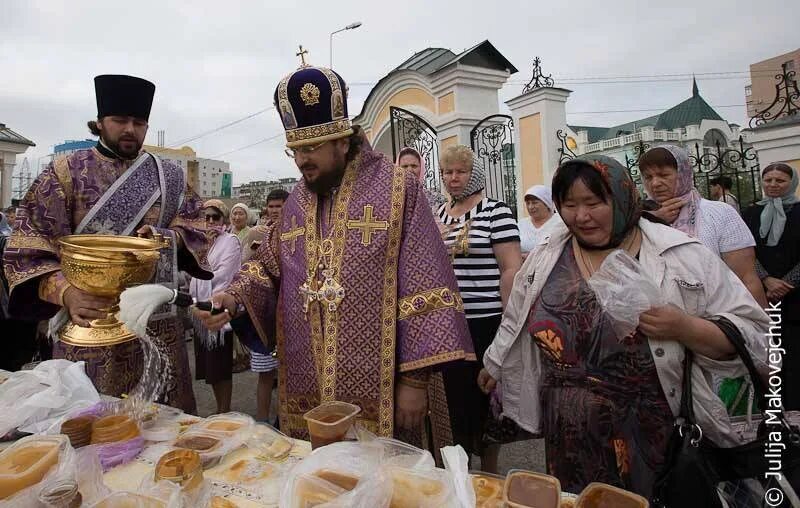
<point x="351" y="26"/>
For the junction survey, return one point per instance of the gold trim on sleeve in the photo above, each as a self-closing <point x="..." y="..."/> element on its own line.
<point x="429" y="301"/>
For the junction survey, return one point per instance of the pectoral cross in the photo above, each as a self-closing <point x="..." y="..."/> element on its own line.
<point x="302" y="54"/>
<point x="368" y="225"/>
<point x="308" y="294"/>
<point x="293" y="234"/>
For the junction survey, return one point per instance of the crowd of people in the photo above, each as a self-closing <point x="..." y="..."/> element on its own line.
<point x="444" y="317"/>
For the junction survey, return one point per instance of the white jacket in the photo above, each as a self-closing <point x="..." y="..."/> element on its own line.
<point x="691" y="278"/>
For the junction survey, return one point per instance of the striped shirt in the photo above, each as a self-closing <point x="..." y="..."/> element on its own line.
<point x="489" y="223"/>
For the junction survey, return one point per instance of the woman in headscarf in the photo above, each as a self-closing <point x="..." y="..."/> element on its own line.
<point x="483" y="239"/>
<point x="541" y="216"/>
<point x="411" y="160"/>
<point x="606" y="404"/>
<point x="669" y="180"/>
<point x="240" y="214"/>
<point x="213" y="351"/>
<point x="775" y="223"/>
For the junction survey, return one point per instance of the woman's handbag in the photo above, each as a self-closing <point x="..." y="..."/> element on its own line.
<point x="694" y="467"/>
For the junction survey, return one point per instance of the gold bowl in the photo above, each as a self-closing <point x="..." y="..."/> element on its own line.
<point x="105" y="265"/>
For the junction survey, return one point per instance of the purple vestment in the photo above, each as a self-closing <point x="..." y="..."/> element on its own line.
<point x="401" y="312"/>
<point x="71" y="196"/>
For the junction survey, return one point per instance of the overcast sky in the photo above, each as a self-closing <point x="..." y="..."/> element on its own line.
<point x="216" y="62"/>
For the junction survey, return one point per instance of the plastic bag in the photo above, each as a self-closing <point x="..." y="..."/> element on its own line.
<point x="624" y="291"/>
<point x="90" y="476"/>
<point x="33" y="400"/>
<point x="413" y="488"/>
<point x="270" y="444"/>
<point x="457" y="464"/>
<point x="54" y="467"/>
<point x="346" y="474"/>
<point x="153" y="495"/>
<point x="398" y="453"/>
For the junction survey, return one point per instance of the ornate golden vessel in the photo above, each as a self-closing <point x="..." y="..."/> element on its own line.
<point x="104" y="265"/>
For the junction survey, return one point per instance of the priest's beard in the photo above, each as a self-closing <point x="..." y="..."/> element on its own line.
<point x="129" y="153"/>
<point x="325" y="181"/>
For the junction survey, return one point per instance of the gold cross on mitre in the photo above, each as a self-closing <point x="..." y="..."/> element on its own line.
<point x="368" y="225"/>
<point x="293" y="234"/>
<point x="302" y="54"/>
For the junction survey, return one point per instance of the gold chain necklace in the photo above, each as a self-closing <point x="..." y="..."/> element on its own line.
<point x="330" y="292"/>
<point x="586" y="261"/>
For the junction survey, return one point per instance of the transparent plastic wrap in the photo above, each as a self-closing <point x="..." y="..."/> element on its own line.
<point x="456" y="462"/>
<point x="230" y="425"/>
<point x="269" y="443"/>
<point x="181" y="468"/>
<point x="163" y="494"/>
<point x="346" y="474"/>
<point x="624" y="291"/>
<point x="413" y="488"/>
<point x="90" y="476"/>
<point x="400" y="454"/>
<point x="32" y="464"/>
<point x="211" y="446"/>
<point x="33" y="400"/>
<point x="256" y="477"/>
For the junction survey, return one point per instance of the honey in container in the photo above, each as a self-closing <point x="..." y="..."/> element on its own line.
<point x="329" y="422"/>
<point x="27" y="461"/>
<point x="488" y="490"/>
<point x="601" y="495"/>
<point x="525" y="489"/>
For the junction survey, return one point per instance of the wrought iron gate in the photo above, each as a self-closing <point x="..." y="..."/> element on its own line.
<point x="410" y="130"/>
<point x="492" y="140"/>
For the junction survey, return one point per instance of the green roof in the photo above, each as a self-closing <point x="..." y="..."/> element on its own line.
<point x="692" y="111"/>
<point x="595" y="133"/>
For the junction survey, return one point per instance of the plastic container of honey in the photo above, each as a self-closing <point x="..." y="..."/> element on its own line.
<point x="26" y="462"/>
<point x="329" y="422"/>
<point x="526" y="489"/>
<point x="601" y="495"/>
<point x="488" y="489"/>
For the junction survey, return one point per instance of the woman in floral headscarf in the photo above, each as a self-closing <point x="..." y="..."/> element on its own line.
<point x="483" y="239"/>
<point x="606" y="404"/>
<point x="669" y="180"/>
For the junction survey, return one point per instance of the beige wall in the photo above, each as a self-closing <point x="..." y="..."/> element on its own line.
<point x="447" y="103"/>
<point x="762" y="81"/>
<point x="409" y="96"/>
<point x="530" y="150"/>
<point x="452" y="140"/>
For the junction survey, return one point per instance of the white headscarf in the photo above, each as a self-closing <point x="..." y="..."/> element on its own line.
<point x="544" y="194"/>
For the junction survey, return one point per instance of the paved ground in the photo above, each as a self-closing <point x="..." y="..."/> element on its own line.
<point x="525" y="454"/>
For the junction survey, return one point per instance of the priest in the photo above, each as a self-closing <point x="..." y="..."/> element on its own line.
<point x="354" y="282"/>
<point x="112" y="188"/>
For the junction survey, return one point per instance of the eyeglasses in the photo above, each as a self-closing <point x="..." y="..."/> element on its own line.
<point x="305" y="150"/>
<point x="213" y="217"/>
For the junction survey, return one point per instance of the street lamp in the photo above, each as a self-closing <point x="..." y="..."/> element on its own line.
<point x="351" y="26"/>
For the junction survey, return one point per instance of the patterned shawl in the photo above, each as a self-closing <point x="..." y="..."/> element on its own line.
<point x="773" y="216"/>
<point x="688" y="219"/>
<point x="476" y="183"/>
<point x="625" y="198"/>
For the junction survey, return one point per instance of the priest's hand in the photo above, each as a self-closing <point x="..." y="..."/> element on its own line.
<point x="412" y="406"/>
<point x="215" y="322"/>
<point x="486" y="382"/>
<point x="83" y="307"/>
